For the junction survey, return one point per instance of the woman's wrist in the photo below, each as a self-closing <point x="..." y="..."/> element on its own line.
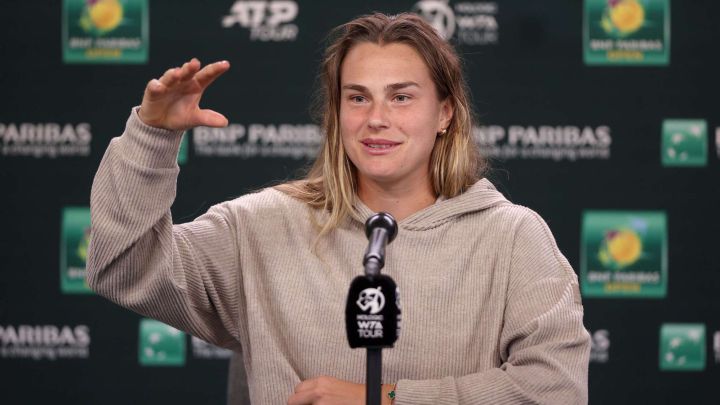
<point x="388" y="394"/>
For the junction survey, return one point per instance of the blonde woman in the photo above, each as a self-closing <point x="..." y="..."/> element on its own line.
<point x="491" y="308"/>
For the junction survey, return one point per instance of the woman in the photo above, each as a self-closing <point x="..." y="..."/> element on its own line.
<point x="491" y="309"/>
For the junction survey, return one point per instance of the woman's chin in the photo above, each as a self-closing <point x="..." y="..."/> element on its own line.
<point x="381" y="179"/>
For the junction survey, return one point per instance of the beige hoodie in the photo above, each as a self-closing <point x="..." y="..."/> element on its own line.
<point x="491" y="308"/>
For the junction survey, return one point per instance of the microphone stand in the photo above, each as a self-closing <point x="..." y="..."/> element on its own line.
<point x="372" y="312"/>
<point x="373" y="374"/>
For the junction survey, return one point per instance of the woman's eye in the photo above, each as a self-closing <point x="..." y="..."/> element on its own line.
<point x="402" y="98"/>
<point x="357" y="99"/>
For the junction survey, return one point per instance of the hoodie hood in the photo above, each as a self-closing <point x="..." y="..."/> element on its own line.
<point x="480" y="196"/>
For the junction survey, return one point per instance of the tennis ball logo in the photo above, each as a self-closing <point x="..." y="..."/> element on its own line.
<point x="623" y="17"/>
<point x="101" y="16"/>
<point x="106" y="14"/>
<point x="620" y="249"/>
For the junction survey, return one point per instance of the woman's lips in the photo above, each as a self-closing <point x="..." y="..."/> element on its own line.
<point x="379" y="146"/>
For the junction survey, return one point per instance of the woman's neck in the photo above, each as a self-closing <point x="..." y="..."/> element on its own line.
<point x="400" y="200"/>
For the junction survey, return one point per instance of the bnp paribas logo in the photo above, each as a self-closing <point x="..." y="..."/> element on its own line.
<point x="682" y="347"/>
<point x="626" y="32"/>
<point x="684" y="142"/>
<point x="160" y="344"/>
<point x="74" y="242"/>
<point x="624" y="254"/>
<point x="105" y="31"/>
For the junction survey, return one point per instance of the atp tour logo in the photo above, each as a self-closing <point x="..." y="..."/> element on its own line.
<point x="266" y="20"/>
<point x="373" y="299"/>
<point x="474" y="22"/>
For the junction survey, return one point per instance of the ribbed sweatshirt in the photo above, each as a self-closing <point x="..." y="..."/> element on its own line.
<point x="491" y="308"/>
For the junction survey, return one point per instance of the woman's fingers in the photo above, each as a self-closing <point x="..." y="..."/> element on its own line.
<point x="210" y="118"/>
<point x="211" y="72"/>
<point x="189" y="69"/>
<point x="302" y="398"/>
<point x="171" y="101"/>
<point x="154" y="89"/>
<point x="170" y="77"/>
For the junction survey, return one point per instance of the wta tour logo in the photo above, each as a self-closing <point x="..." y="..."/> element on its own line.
<point x="473" y="23"/>
<point x="624" y="254"/>
<point x="74" y="242"/>
<point x="105" y="31"/>
<point x="629" y="32"/>
<point x="370" y="300"/>
<point x="682" y="347"/>
<point x="684" y="143"/>
<point x="160" y="344"/>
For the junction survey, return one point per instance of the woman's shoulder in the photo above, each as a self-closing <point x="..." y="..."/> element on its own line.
<point x="266" y="202"/>
<point x="488" y="203"/>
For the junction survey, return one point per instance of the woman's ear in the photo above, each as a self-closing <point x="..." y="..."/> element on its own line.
<point x="446" y="113"/>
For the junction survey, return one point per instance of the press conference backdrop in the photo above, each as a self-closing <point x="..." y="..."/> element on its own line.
<point x="601" y="115"/>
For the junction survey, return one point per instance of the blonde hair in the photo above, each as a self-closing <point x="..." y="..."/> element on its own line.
<point x="455" y="164"/>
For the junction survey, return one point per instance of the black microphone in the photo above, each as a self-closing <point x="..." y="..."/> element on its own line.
<point x="380" y="229"/>
<point x="372" y="312"/>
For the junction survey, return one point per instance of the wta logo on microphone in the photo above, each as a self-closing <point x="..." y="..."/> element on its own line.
<point x="371" y="300"/>
<point x="372" y="312"/>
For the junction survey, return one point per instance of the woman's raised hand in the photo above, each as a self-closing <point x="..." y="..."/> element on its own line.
<point x="173" y="101"/>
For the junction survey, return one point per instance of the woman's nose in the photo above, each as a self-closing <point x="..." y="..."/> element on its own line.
<point x="378" y="118"/>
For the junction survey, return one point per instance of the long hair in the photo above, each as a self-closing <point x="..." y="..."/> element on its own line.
<point x="455" y="164"/>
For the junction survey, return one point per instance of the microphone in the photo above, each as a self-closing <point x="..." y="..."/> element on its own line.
<point x="380" y="229"/>
<point x="372" y="312"/>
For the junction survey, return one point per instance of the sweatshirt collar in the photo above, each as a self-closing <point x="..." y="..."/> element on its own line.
<point x="479" y="196"/>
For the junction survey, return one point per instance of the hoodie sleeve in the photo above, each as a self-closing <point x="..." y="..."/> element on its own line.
<point x="544" y="346"/>
<point x="183" y="275"/>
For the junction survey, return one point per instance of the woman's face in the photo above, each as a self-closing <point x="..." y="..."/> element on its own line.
<point x="389" y="114"/>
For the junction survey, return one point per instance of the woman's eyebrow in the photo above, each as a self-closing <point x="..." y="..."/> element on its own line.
<point x="402" y="85"/>
<point x="391" y="86"/>
<point x="356" y="87"/>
